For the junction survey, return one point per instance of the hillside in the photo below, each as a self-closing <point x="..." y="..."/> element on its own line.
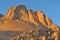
<point x="22" y="24"/>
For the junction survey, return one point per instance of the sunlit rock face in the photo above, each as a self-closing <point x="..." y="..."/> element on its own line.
<point x="22" y="24"/>
<point x="16" y="12"/>
<point x="41" y="17"/>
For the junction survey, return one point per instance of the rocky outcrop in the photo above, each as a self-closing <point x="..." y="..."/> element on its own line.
<point x="48" y="20"/>
<point x="16" y="12"/>
<point x="33" y="17"/>
<point x="1" y="15"/>
<point x="51" y="25"/>
<point x="9" y="13"/>
<point x="32" y="25"/>
<point x="41" y="17"/>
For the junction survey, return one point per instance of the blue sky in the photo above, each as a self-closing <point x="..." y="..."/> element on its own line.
<point x="51" y="8"/>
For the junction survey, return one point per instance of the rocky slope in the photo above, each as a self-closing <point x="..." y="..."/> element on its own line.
<point x="23" y="24"/>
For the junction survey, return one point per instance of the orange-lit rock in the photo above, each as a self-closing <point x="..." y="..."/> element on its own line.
<point x="55" y="35"/>
<point x="9" y="13"/>
<point x="32" y="17"/>
<point x="48" y="20"/>
<point x="41" y="17"/>
<point x="43" y="38"/>
<point x="23" y="24"/>
<point x="53" y="27"/>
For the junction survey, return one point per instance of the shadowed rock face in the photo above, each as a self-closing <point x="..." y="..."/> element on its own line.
<point x="32" y="25"/>
<point x="1" y="15"/>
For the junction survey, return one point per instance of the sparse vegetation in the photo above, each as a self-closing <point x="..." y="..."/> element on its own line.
<point x="36" y="35"/>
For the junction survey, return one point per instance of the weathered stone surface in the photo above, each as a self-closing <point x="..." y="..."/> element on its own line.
<point x="41" y="17"/>
<point x="27" y="25"/>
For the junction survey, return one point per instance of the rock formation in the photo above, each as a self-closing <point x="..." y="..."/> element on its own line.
<point x="1" y="15"/>
<point x="23" y="24"/>
<point x="41" y="17"/>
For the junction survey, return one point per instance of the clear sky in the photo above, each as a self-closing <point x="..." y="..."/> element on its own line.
<point x="50" y="7"/>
